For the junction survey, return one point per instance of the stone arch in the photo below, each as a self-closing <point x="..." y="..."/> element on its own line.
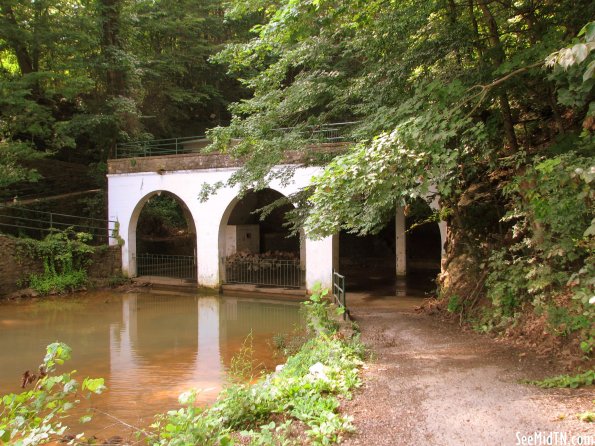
<point x="133" y="223"/>
<point x="229" y="231"/>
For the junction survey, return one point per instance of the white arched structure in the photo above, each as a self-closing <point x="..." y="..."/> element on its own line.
<point x="128" y="193"/>
<point x="130" y="247"/>
<point x="130" y="187"/>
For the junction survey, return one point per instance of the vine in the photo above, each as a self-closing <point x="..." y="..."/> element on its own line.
<point x="65" y="255"/>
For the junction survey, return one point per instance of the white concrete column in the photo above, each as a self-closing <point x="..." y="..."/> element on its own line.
<point x="443" y="234"/>
<point x="207" y="252"/>
<point x="435" y="205"/>
<point x="400" y="242"/>
<point x="319" y="262"/>
<point x="302" y="250"/>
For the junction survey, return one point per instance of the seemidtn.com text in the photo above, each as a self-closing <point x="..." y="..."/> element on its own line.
<point x="554" y="439"/>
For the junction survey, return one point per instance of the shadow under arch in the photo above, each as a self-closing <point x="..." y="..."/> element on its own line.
<point x="191" y="267"/>
<point x="402" y="258"/>
<point x="424" y="246"/>
<point x="242" y="232"/>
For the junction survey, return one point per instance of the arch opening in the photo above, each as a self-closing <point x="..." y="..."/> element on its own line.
<point x="163" y="238"/>
<point x="423" y="247"/>
<point x="257" y="247"/>
<point x="368" y="261"/>
<point x="403" y="258"/>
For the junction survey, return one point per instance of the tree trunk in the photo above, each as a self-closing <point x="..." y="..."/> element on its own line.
<point x="20" y="49"/>
<point x="499" y="56"/>
<point x="111" y="46"/>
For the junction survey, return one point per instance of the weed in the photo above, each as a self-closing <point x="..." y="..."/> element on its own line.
<point x="243" y="367"/>
<point x="65" y="255"/>
<point x="573" y="381"/>
<point x="305" y="390"/>
<point x="36" y="416"/>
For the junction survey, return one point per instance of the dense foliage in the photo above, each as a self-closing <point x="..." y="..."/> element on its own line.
<point x="488" y="104"/>
<point x="90" y="73"/>
<point x="65" y="255"/>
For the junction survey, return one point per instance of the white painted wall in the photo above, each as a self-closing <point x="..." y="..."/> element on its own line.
<point x="128" y="193"/>
<point x="247" y="238"/>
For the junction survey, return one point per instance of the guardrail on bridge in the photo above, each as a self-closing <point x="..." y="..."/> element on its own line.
<point x="324" y="133"/>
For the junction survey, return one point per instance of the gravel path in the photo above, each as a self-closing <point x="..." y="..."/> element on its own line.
<point x="430" y="383"/>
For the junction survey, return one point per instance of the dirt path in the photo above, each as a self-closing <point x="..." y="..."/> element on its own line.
<point x="430" y="383"/>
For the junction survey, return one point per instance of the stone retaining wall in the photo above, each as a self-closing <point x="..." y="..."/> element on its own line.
<point x="107" y="262"/>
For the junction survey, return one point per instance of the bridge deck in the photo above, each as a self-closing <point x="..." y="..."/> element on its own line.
<point x="201" y="161"/>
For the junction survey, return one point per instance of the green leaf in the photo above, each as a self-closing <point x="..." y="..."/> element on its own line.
<point x="85" y="419"/>
<point x="94" y="385"/>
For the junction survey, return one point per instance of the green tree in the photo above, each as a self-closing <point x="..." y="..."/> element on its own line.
<point x="451" y="97"/>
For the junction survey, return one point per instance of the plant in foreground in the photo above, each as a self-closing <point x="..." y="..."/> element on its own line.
<point x="36" y="416"/>
<point x="299" y="400"/>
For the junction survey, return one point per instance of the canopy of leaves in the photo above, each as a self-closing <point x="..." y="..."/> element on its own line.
<point x="445" y="92"/>
<point x="87" y="74"/>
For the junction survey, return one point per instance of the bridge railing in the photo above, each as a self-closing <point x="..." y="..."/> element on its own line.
<point x="19" y="221"/>
<point x="324" y="133"/>
<point x="339" y="293"/>
<point x="160" y="147"/>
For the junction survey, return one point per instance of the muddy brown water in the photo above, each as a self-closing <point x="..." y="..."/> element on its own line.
<point x="149" y="347"/>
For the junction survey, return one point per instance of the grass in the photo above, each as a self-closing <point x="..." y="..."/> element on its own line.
<point x="49" y="283"/>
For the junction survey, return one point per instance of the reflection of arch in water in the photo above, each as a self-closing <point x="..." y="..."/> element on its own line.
<point x="133" y="226"/>
<point x="150" y="362"/>
<point x="242" y="230"/>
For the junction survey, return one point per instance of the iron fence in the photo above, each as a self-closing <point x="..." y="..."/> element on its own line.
<point x="339" y="293"/>
<point x="24" y="222"/>
<point x="273" y="272"/>
<point x="323" y="133"/>
<point x="159" y="147"/>
<point x="163" y="265"/>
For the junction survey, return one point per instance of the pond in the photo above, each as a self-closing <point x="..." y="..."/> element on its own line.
<point x="149" y="347"/>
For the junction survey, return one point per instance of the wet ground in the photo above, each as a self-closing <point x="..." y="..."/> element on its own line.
<point x="428" y="382"/>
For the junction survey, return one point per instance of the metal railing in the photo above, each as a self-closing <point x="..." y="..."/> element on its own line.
<point x="24" y="222"/>
<point x="323" y="133"/>
<point x="339" y="293"/>
<point x="273" y="272"/>
<point x="159" y="147"/>
<point x="162" y="265"/>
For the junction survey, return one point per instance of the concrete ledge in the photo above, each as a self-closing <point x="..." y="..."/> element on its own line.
<point x="200" y="161"/>
<point x="252" y="290"/>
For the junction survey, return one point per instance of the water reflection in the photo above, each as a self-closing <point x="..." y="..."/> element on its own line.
<point x="149" y="347"/>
